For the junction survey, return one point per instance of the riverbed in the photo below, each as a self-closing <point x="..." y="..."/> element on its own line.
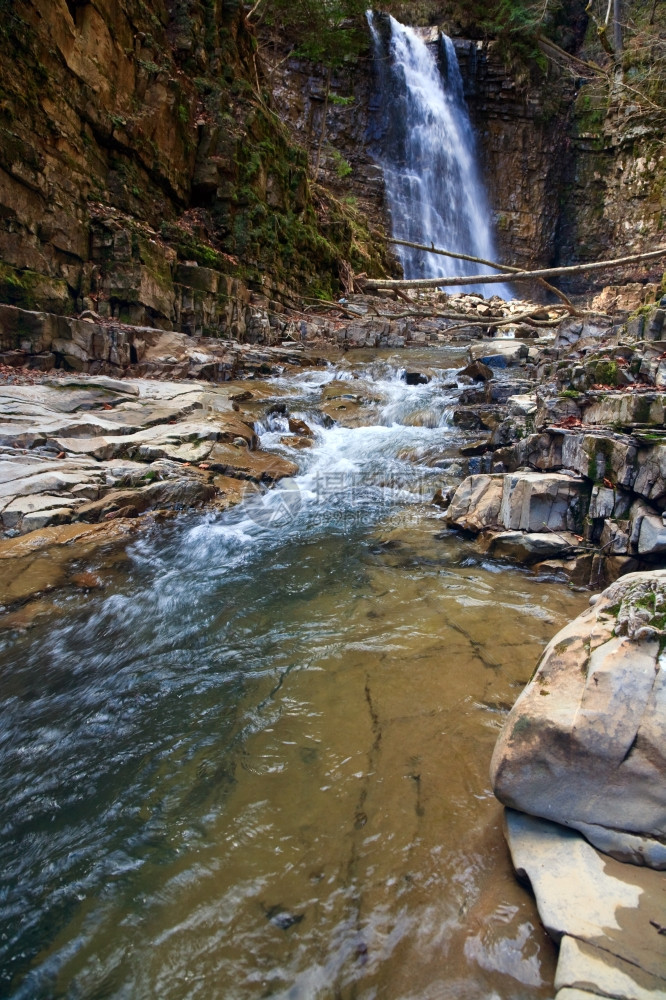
<point x="255" y="764"/>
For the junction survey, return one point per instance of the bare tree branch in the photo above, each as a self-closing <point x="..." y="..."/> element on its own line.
<point x="506" y="268"/>
<point x="481" y="279"/>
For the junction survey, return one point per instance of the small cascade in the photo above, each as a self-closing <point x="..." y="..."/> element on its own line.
<point x="428" y="155"/>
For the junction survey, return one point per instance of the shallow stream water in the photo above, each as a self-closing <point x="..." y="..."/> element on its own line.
<point x="256" y="765"/>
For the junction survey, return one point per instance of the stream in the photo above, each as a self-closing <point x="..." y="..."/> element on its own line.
<point x="256" y="763"/>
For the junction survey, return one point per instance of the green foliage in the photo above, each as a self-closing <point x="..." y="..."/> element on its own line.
<point x="188" y="247"/>
<point x="149" y="66"/>
<point x="329" y="32"/>
<point x="342" y="167"/>
<point x="515" y="25"/>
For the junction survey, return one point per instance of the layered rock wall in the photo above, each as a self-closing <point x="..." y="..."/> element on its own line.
<point x="136" y="141"/>
<point x="521" y="133"/>
<point x="567" y="180"/>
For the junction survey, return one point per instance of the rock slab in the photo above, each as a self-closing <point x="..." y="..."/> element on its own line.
<point x="608" y="917"/>
<point x="522" y="501"/>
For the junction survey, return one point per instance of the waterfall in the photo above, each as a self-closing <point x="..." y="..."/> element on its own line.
<point x="428" y="154"/>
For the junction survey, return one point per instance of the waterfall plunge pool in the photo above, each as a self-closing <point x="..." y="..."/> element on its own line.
<point x="256" y="765"/>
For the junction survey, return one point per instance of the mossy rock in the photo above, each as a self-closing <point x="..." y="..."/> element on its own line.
<point x="32" y="290"/>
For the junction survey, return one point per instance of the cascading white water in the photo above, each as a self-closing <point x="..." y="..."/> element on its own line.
<point x="428" y="155"/>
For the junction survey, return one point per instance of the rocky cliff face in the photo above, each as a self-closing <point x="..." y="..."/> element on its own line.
<point x="522" y="131"/>
<point x="160" y="167"/>
<point x="570" y="176"/>
<point x="135" y="143"/>
<point x="613" y="193"/>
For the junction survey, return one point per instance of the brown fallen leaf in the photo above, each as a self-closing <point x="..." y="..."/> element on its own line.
<point x="569" y="422"/>
<point x="61" y="454"/>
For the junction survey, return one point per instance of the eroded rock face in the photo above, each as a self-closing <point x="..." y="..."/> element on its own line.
<point x="525" y="501"/>
<point x="585" y="744"/>
<point x="119" y="173"/>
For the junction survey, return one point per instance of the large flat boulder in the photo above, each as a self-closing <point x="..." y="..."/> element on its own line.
<point x="607" y="917"/>
<point x="585" y="744"/>
<point x="500" y="353"/>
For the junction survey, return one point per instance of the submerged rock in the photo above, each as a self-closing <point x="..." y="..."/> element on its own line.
<point x="300" y="428"/>
<point x="531" y="546"/>
<point x="584" y="745"/>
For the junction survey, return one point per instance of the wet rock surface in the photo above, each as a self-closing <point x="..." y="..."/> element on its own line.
<point x="89" y="451"/>
<point x="607" y="917"/>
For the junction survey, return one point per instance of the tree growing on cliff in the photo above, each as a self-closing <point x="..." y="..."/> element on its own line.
<point x="326" y="31"/>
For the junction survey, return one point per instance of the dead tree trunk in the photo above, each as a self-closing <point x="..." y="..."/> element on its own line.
<point x="483" y="279"/>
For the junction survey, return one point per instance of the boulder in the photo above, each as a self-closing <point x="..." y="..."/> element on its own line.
<point x="476" y="503"/>
<point x="500" y="354"/>
<point x="299" y="443"/>
<point x="650" y="480"/>
<point x="521" y="501"/>
<point x="651" y="535"/>
<point x="599" y="456"/>
<point x="539" y="451"/>
<point x="415" y="378"/>
<point x="584" y="743"/>
<point x="615" y="537"/>
<point x="477" y="371"/>
<point x="531" y="546"/>
<point x="522" y="404"/>
<point x="502" y="389"/>
<point x="607" y="917"/>
<point x="300" y="427"/>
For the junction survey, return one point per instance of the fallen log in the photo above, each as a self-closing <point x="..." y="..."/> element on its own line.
<point x="371" y="284"/>
<point x="506" y="268"/>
